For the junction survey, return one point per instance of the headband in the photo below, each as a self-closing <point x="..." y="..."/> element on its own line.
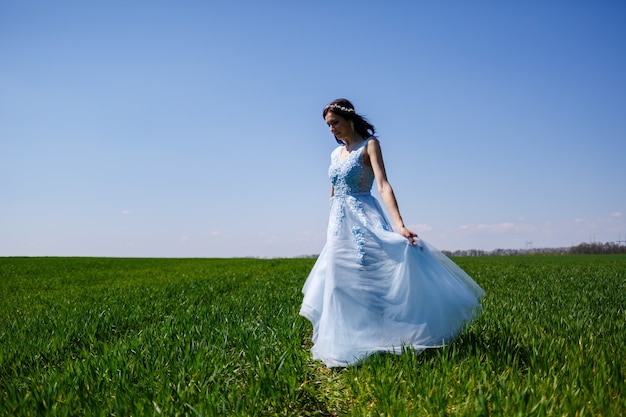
<point x="338" y="107"/>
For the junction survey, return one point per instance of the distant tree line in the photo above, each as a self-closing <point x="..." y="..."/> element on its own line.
<point x="599" y="248"/>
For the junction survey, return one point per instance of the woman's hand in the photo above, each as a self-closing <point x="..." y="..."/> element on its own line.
<point x="410" y="235"/>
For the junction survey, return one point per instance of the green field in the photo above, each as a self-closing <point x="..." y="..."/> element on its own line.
<point x="92" y="336"/>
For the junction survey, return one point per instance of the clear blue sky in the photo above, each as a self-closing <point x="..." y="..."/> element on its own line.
<point x="194" y="128"/>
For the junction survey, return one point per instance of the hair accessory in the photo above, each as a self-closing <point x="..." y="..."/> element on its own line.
<point x="338" y="107"/>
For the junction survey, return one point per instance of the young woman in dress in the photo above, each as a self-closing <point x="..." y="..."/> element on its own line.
<point x="376" y="286"/>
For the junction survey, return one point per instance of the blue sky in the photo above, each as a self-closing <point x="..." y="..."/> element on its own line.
<point x="194" y="128"/>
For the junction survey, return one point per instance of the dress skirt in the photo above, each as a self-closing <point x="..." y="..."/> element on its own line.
<point x="372" y="291"/>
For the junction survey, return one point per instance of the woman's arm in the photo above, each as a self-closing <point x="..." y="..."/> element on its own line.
<point x="374" y="158"/>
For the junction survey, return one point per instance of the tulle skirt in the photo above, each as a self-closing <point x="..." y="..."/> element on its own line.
<point x="372" y="291"/>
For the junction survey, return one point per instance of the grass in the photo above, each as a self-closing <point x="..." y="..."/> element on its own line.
<point x="92" y="336"/>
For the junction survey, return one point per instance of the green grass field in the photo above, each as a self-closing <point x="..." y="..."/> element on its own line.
<point x="91" y="336"/>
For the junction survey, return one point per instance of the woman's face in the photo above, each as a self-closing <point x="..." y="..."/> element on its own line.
<point x="339" y="126"/>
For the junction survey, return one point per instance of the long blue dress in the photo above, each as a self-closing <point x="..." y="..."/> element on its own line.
<point x="370" y="290"/>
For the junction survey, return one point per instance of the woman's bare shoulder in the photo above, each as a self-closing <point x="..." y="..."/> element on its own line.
<point x="373" y="145"/>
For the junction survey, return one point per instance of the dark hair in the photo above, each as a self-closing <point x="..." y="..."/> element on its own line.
<point x="343" y="108"/>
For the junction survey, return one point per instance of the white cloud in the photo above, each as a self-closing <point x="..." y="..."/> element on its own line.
<point x="420" y="228"/>
<point x="307" y="236"/>
<point x="516" y="235"/>
<point x="272" y="240"/>
<point x="504" y="227"/>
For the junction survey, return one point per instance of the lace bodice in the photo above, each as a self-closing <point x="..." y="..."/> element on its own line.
<point x="350" y="175"/>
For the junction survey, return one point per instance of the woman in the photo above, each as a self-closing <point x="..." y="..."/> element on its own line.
<point x="374" y="289"/>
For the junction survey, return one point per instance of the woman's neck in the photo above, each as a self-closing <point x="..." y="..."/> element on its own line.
<point x="352" y="141"/>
